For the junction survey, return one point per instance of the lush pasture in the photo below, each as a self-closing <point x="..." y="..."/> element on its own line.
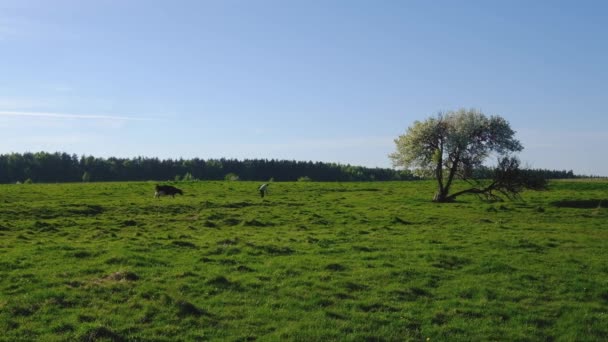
<point x="312" y="261"/>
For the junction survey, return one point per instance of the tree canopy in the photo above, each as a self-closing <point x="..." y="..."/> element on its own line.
<point x="455" y="144"/>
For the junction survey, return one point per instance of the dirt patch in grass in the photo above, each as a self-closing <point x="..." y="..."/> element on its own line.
<point x="123" y="275"/>
<point x="276" y="250"/>
<point x="411" y="294"/>
<point x="228" y="242"/>
<point x="120" y="276"/>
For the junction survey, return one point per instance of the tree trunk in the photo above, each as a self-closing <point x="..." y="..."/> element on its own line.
<point x="441" y="193"/>
<point x="441" y="196"/>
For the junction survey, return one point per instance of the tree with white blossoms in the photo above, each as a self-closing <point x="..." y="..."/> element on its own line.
<point x="454" y="144"/>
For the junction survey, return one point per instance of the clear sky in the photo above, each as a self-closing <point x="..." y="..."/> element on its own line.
<point x="305" y="80"/>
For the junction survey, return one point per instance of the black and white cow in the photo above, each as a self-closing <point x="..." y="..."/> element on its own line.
<point x="167" y="190"/>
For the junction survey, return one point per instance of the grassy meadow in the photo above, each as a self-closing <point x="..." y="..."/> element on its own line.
<point x="311" y="262"/>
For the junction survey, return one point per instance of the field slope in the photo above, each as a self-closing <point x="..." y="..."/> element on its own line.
<point x="312" y="261"/>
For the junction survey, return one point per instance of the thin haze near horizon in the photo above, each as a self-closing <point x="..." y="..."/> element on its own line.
<point x="333" y="81"/>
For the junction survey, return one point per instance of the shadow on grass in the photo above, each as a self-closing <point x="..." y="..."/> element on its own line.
<point x="85" y="209"/>
<point x="399" y="220"/>
<point x="233" y="205"/>
<point x="256" y="223"/>
<point x="376" y="307"/>
<point x="449" y="262"/>
<point x="581" y="204"/>
<point x="335" y="267"/>
<point x="101" y="334"/>
<point x="411" y="294"/>
<point x="185" y="309"/>
<point x="275" y="250"/>
<point x="220" y="283"/>
<point x="41" y="226"/>
<point x="184" y="244"/>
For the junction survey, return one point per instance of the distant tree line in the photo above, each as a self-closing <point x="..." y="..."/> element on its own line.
<point x="486" y="172"/>
<point x="43" y="167"/>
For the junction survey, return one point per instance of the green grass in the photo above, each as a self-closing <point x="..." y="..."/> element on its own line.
<point x="311" y="262"/>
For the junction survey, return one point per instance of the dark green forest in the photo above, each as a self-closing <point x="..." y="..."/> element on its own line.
<point x="44" y="167"/>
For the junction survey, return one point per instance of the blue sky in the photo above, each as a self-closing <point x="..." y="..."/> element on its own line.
<point x="305" y="80"/>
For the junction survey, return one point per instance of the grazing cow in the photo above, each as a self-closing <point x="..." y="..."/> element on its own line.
<point x="263" y="189"/>
<point x="167" y="190"/>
